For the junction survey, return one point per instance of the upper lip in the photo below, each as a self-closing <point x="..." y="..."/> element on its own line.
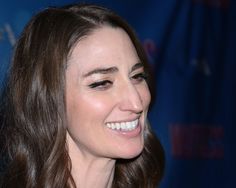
<point x="127" y="120"/>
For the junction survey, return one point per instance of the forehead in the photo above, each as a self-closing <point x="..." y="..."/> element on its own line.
<point x="105" y="46"/>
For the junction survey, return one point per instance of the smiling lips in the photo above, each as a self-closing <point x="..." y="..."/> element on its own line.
<point x="123" y="126"/>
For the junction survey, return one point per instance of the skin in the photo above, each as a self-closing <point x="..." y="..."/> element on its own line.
<point x="95" y="98"/>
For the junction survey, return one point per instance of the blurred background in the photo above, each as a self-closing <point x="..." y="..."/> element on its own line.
<point x="191" y="46"/>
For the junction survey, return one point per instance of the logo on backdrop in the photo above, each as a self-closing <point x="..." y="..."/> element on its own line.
<point x="202" y="66"/>
<point x="150" y="49"/>
<point x="197" y="141"/>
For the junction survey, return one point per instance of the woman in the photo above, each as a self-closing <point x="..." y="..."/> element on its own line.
<point x="77" y="104"/>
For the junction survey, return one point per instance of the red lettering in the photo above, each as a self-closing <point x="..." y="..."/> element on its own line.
<point x="197" y="141"/>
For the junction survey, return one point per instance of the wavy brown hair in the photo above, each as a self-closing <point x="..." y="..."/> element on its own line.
<point x="35" y="121"/>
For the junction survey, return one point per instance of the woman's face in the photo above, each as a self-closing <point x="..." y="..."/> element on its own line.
<point x="107" y="97"/>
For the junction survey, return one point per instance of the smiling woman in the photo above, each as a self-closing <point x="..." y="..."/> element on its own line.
<point x="108" y="106"/>
<point x="77" y="104"/>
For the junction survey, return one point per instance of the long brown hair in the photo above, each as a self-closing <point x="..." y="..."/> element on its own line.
<point x="35" y="124"/>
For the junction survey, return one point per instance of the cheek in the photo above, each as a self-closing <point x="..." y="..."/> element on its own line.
<point x="94" y="104"/>
<point x="87" y="109"/>
<point x="85" y="119"/>
<point x="145" y="96"/>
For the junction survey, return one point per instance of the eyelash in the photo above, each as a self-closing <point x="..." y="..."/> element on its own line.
<point x="140" y="77"/>
<point x="105" y="84"/>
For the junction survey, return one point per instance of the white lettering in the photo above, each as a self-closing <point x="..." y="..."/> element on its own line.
<point x="10" y="34"/>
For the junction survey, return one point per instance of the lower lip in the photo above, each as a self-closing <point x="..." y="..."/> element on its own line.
<point x="129" y="134"/>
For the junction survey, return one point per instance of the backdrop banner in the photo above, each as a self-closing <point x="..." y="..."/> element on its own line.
<point x="191" y="48"/>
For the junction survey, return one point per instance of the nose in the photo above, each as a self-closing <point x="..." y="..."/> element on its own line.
<point x="131" y="99"/>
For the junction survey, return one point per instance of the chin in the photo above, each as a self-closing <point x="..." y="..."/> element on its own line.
<point x="129" y="153"/>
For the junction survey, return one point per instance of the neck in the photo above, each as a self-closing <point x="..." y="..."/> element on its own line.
<point x="89" y="171"/>
<point x="93" y="173"/>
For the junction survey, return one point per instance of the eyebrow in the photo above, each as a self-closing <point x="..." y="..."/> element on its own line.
<point x="101" y="71"/>
<point x="137" y="66"/>
<point x="110" y="70"/>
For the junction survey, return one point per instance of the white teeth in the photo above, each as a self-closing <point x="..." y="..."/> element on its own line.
<point x="123" y="126"/>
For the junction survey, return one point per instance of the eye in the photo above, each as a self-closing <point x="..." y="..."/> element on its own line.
<point x="140" y="77"/>
<point x="101" y="85"/>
